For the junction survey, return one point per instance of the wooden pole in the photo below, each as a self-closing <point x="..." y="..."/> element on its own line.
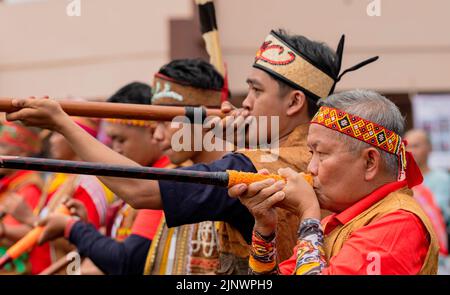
<point x="119" y="110"/>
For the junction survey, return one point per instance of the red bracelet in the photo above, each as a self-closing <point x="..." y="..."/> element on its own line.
<point x="68" y="227"/>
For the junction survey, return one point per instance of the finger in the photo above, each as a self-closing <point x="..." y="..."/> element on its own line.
<point x="237" y="112"/>
<point x="256" y="187"/>
<point x="264" y="171"/>
<point x="47" y="235"/>
<point x="22" y="103"/>
<point x="228" y="121"/>
<point x="42" y="222"/>
<point x="73" y="206"/>
<point x="226" y="107"/>
<point x="18" y="115"/>
<point x="44" y="237"/>
<point x="70" y="203"/>
<point x="215" y="121"/>
<point x="238" y="122"/>
<point x="237" y="190"/>
<point x="287" y="172"/>
<point x="267" y="192"/>
<point x="273" y="200"/>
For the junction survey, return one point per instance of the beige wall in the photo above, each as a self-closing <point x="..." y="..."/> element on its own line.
<point x="43" y="51"/>
<point x="412" y="38"/>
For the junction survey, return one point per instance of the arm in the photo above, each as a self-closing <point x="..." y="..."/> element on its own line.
<point x="309" y="256"/>
<point x="48" y="114"/>
<point x="112" y="257"/>
<point x="12" y="233"/>
<point x="186" y="203"/>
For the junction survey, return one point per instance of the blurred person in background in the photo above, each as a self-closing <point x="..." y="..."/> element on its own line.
<point x="434" y="193"/>
<point x="21" y="185"/>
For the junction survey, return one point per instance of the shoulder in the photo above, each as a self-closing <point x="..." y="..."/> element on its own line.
<point x="400" y="227"/>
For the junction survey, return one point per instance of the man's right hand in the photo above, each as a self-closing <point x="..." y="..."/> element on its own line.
<point x="261" y="198"/>
<point x="39" y="112"/>
<point x="234" y="121"/>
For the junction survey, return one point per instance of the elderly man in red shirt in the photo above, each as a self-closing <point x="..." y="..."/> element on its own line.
<point x="361" y="172"/>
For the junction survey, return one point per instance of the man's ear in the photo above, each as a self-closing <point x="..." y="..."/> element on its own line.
<point x="296" y="101"/>
<point x="372" y="158"/>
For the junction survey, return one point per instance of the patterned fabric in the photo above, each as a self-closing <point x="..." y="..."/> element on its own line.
<point x="99" y="193"/>
<point x="310" y="253"/>
<point x="167" y="91"/>
<point x="25" y="138"/>
<point x="263" y="255"/>
<point x="169" y="251"/>
<point x="204" y="250"/>
<point x="360" y="129"/>
<point x="280" y="59"/>
<point x="123" y="222"/>
<point x="28" y="184"/>
<point x="84" y="188"/>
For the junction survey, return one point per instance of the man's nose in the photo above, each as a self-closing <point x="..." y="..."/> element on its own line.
<point x="158" y="135"/>
<point x="248" y="103"/>
<point x="313" y="167"/>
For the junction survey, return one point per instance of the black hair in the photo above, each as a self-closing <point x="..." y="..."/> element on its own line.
<point x="136" y="92"/>
<point x="319" y="53"/>
<point x="193" y="72"/>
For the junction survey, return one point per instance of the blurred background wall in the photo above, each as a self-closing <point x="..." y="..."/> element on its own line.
<point x="44" y="51"/>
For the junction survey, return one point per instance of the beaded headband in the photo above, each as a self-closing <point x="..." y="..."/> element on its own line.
<point x="373" y="134"/>
<point x="281" y="60"/>
<point x="167" y="91"/>
<point x="131" y="122"/>
<point x="359" y="128"/>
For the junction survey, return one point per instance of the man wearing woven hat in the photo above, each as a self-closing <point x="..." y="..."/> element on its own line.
<point x="290" y="74"/>
<point x="362" y="172"/>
